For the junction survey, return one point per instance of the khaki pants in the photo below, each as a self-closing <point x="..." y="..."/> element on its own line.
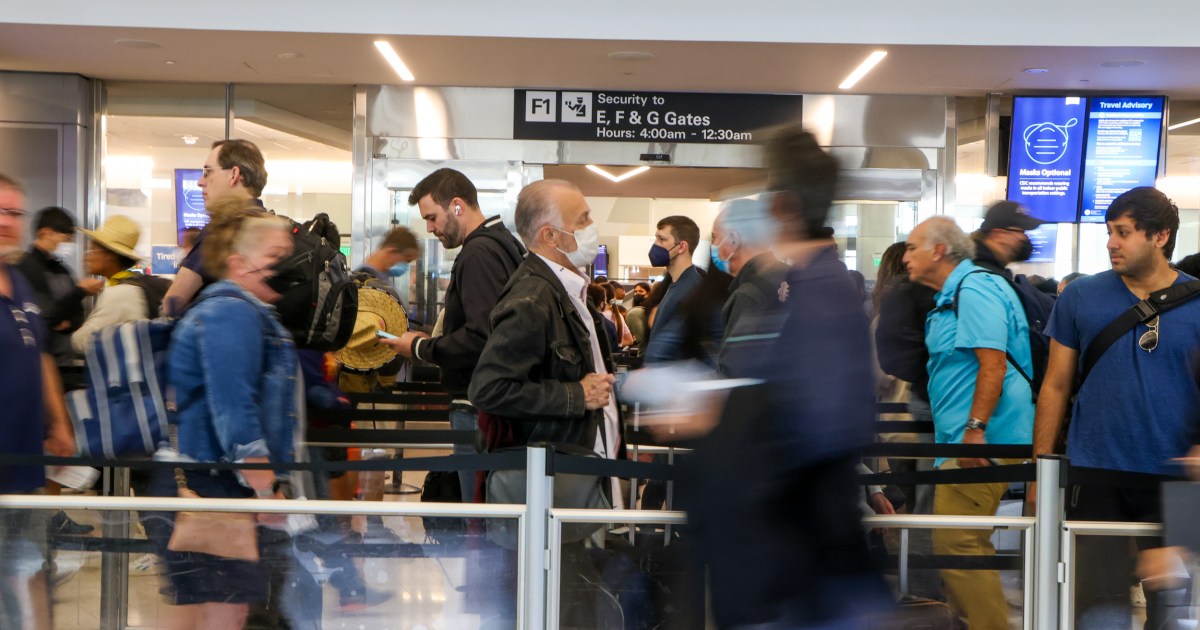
<point x="975" y="595"/>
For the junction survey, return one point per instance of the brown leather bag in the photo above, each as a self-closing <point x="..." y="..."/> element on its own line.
<point x="232" y="535"/>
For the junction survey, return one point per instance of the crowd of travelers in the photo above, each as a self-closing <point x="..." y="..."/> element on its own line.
<point x="528" y="347"/>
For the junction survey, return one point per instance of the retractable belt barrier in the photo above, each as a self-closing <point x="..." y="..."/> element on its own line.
<point x="985" y="474"/>
<point x="398" y="398"/>
<point x="503" y="460"/>
<point x="368" y="437"/>
<point x="346" y="416"/>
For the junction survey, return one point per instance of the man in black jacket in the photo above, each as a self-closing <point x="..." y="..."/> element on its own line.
<point x="57" y="293"/>
<point x="490" y="253"/>
<point x="545" y="369"/>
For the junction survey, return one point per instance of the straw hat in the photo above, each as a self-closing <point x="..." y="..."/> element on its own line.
<point x="119" y="234"/>
<point x="376" y="311"/>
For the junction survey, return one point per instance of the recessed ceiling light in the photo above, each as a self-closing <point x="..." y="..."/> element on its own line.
<point x="169" y="62"/>
<point x="397" y="64"/>
<point x="189" y="139"/>
<point x="144" y="44"/>
<point x="1036" y="70"/>
<point x="1123" y="63"/>
<point x="617" y="179"/>
<point x="863" y="68"/>
<point x="288" y="56"/>
<point x="630" y="55"/>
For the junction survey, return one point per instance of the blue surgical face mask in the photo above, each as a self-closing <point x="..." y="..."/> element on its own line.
<point x="659" y="256"/>
<point x="715" y="253"/>
<point x="399" y="269"/>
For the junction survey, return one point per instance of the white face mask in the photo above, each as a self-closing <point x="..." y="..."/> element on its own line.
<point x="66" y="252"/>
<point x="587" y="245"/>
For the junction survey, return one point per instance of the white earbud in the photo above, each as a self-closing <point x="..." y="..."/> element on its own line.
<point x="457" y="210"/>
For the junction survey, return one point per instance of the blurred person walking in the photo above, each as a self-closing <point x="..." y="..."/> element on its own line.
<point x="742" y="235"/>
<point x="128" y="295"/>
<point x="236" y="396"/>
<point x="979" y="357"/>
<point x="58" y="295"/>
<point x="773" y="494"/>
<point x="33" y="421"/>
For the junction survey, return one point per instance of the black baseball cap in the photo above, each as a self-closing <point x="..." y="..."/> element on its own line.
<point x="1007" y="215"/>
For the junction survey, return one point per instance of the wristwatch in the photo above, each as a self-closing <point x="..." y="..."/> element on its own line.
<point x="976" y="423"/>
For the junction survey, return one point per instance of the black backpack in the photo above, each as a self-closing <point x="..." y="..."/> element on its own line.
<point x="320" y="298"/>
<point x="153" y="287"/>
<point x="1037" y="305"/>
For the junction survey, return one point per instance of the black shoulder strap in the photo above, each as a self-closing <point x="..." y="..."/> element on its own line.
<point x="1160" y="301"/>
<point x="953" y="306"/>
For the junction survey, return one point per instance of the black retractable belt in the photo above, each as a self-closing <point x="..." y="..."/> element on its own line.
<point x="1012" y="473"/>
<point x="509" y="460"/>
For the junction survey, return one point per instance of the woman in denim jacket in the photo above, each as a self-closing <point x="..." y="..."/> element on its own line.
<point x="233" y="369"/>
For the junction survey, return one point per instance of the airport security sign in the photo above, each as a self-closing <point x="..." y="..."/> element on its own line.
<point x="603" y="115"/>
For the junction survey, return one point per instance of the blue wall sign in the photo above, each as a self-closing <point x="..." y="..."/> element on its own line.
<point x="1045" y="155"/>
<point x="1123" y="139"/>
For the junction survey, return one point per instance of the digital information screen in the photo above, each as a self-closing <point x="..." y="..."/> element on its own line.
<point x="1045" y="155"/>
<point x="600" y="266"/>
<point x="189" y="200"/>
<point x="1124" y="135"/>
<point x="1044" y="239"/>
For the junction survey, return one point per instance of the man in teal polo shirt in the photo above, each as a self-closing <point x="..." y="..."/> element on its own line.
<point x="976" y="395"/>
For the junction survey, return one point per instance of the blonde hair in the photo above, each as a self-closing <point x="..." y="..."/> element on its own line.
<point x="238" y="232"/>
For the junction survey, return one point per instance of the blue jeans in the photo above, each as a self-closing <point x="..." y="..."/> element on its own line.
<point x="464" y="419"/>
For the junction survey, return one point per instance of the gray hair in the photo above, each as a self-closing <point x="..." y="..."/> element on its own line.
<point x="750" y="219"/>
<point x="944" y="231"/>
<point x="536" y="206"/>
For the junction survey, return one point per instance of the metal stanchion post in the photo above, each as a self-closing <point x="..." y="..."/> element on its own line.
<point x="1049" y="527"/>
<point x="633" y="483"/>
<point x="539" y="489"/>
<point x="904" y="561"/>
<point x="114" y="567"/>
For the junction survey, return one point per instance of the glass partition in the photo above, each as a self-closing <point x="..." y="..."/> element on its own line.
<point x="1101" y="588"/>
<point x="155" y="133"/>
<point x="326" y="576"/>
<point x="304" y="133"/>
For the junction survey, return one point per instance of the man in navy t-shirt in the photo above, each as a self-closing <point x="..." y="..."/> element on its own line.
<point x="33" y="416"/>
<point x="1137" y="412"/>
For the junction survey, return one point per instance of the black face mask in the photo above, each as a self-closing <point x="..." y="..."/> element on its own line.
<point x="1024" y="250"/>
<point x="287" y="275"/>
<point x="638" y="299"/>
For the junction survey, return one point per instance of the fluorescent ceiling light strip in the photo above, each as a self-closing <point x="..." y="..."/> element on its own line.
<point x="861" y="71"/>
<point x="1186" y="123"/>
<point x="617" y="179"/>
<point x="389" y="53"/>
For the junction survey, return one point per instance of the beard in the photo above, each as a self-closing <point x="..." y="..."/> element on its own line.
<point x="1134" y="263"/>
<point x="450" y="236"/>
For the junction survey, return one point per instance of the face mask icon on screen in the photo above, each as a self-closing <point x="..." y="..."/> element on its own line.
<point x="1046" y="143"/>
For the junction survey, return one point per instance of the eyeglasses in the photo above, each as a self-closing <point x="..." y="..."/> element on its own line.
<point x="1149" y="339"/>
<point x="15" y="213"/>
